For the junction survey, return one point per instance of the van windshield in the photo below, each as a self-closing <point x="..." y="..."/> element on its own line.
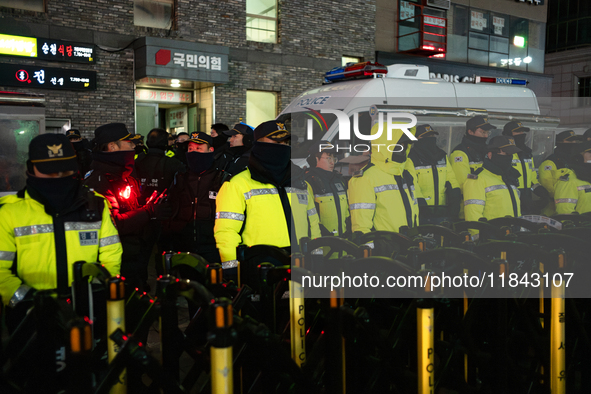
<point x="297" y="124"/>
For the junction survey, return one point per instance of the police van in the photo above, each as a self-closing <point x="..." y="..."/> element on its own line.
<point x="355" y="94"/>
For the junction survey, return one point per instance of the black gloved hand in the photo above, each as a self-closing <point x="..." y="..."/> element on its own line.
<point x="162" y="211"/>
<point x="16" y="314"/>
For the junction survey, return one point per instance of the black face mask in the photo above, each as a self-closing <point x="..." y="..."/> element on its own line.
<point x="275" y="158"/>
<point x="428" y="147"/>
<point x="199" y="162"/>
<point x="400" y="157"/>
<point x="520" y="139"/>
<point x="219" y="141"/>
<point x="476" y="140"/>
<point x="502" y="161"/>
<point x="58" y="192"/>
<point x="120" y="158"/>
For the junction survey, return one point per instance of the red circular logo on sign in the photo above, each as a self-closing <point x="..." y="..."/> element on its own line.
<point x="163" y="57"/>
<point x="22" y="75"/>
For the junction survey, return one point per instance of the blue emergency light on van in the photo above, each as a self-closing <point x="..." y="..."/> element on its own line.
<point x="505" y="81"/>
<point x="354" y="71"/>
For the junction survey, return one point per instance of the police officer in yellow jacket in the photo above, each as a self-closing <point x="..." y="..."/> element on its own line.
<point x="469" y="155"/>
<point x="491" y="192"/>
<point x="524" y="163"/>
<point x="434" y="174"/>
<point x="383" y="196"/>
<point x="269" y="203"/>
<point x="573" y="189"/>
<point x="555" y="166"/>
<point x="330" y="189"/>
<point x="51" y="224"/>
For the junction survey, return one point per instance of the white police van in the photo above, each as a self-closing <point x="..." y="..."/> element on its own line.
<point x="359" y="90"/>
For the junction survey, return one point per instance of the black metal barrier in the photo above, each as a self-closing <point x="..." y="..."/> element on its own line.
<point x="268" y="330"/>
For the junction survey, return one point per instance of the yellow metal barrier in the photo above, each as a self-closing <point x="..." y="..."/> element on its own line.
<point x="222" y="369"/>
<point x="115" y="320"/>
<point x="297" y="319"/>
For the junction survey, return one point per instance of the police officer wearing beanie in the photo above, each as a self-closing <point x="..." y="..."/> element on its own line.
<point x="111" y="176"/>
<point x="329" y="188"/>
<point x="268" y="203"/>
<point x="524" y="163"/>
<point x="52" y="223"/>
<point x="492" y="190"/>
<point x="384" y="195"/>
<point x="469" y="155"/>
<point x="83" y="150"/>
<point x="154" y="169"/>
<point x="573" y="189"/>
<point x="193" y="198"/>
<point x="234" y="159"/>
<point x="220" y="139"/>
<point x="435" y="176"/>
<point x="555" y="166"/>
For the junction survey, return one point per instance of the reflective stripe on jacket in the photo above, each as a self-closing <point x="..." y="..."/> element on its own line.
<point x="249" y="213"/>
<point x="426" y="181"/>
<point x="27" y="233"/>
<point x="572" y="194"/>
<point x="489" y="197"/>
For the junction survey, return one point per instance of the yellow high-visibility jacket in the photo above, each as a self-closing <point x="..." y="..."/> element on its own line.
<point x="330" y="196"/>
<point x="548" y="175"/>
<point x="384" y="195"/>
<point x="27" y="235"/>
<point x="250" y="213"/>
<point x="426" y="180"/>
<point x="529" y="178"/>
<point x="572" y="194"/>
<point x="486" y="195"/>
<point x="465" y="159"/>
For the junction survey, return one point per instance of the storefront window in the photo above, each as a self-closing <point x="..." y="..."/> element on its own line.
<point x="260" y="107"/>
<point x="154" y="13"/>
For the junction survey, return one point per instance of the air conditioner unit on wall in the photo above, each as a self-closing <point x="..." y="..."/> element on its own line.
<point x="445" y="4"/>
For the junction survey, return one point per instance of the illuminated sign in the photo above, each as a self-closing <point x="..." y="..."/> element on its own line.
<point x="44" y="48"/>
<point x="519" y="41"/>
<point x="65" y="51"/>
<point x="22" y="76"/>
<point x="167" y="96"/>
<point x="18" y="46"/>
<point x="517" y="61"/>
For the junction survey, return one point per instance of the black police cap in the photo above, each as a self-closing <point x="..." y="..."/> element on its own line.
<point x="52" y="153"/>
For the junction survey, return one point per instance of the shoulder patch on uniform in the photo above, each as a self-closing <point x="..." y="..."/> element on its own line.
<point x="563" y="178"/>
<point x="472" y="176"/>
<point x="548" y="168"/>
<point x="88" y="174"/>
<point x="457" y="159"/>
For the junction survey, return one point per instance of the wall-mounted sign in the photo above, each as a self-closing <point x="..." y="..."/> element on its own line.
<point x="65" y="51"/>
<point x="18" y="46"/>
<point x="166" y="96"/>
<point x="44" y="48"/>
<point x="22" y="76"/>
<point x="163" y="82"/>
<point x="188" y="61"/>
<point x="477" y="21"/>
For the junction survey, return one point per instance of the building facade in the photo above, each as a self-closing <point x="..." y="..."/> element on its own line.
<point x="460" y="39"/>
<point x="568" y="60"/>
<point x="176" y="64"/>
